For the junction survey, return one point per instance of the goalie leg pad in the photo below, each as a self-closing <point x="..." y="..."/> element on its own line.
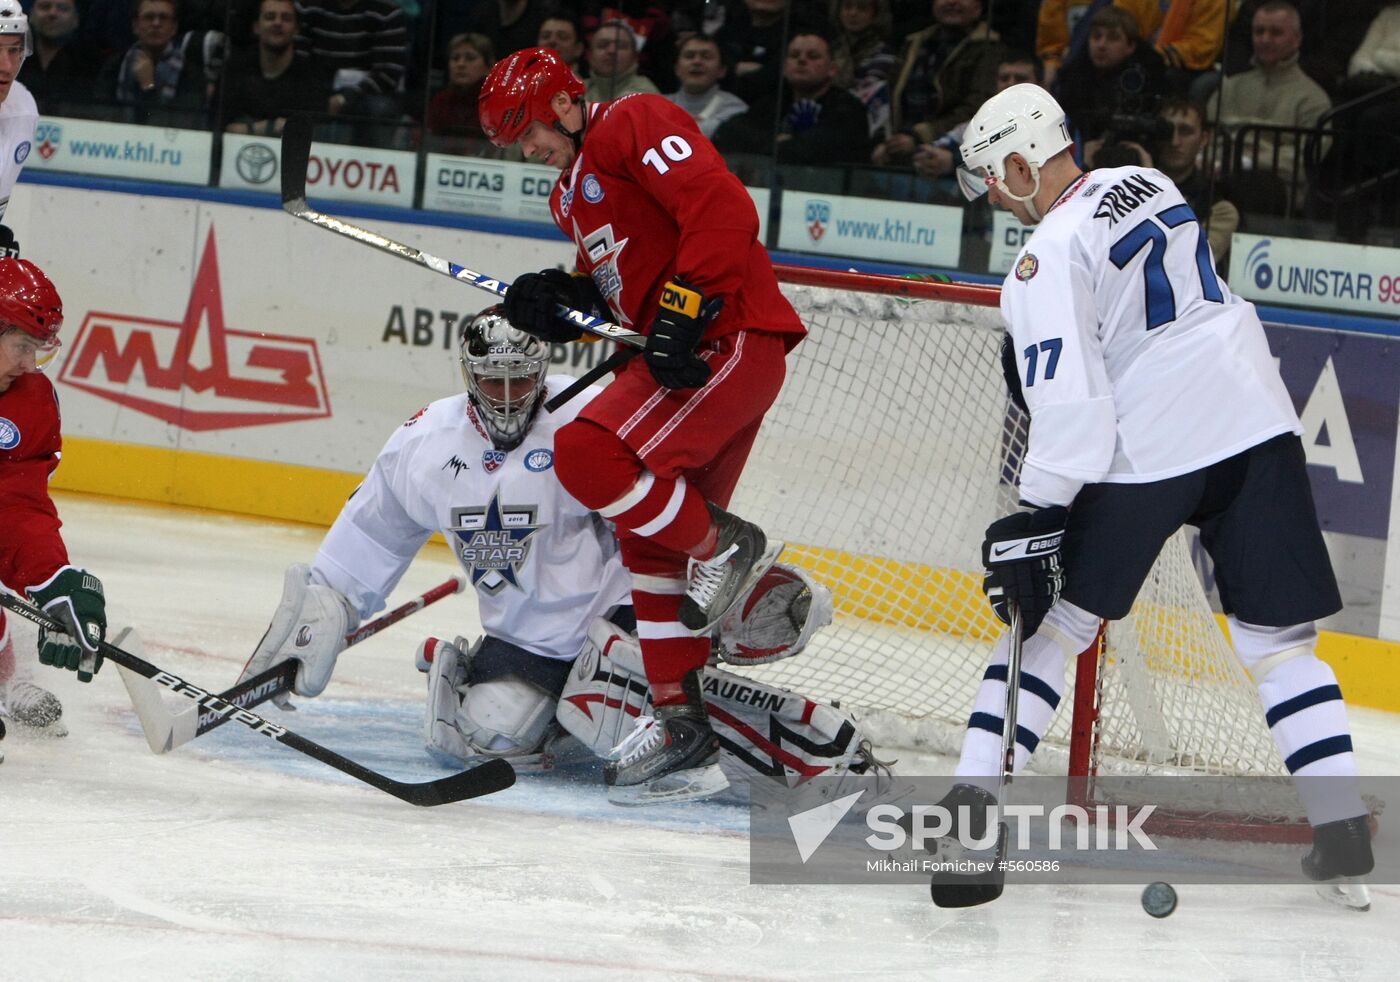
<point x="776" y="733"/>
<point x="607" y="689"/>
<point x="776" y="619"/>
<point x="762" y="729"/>
<point x="446" y="665"/>
<point x="309" y="625"/>
<point x="496" y="699"/>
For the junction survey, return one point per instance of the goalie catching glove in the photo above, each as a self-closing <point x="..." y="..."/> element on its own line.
<point x="681" y="319"/>
<point x="309" y="625"/>
<point x="74" y="598"/>
<point x="532" y="300"/>
<point x="1022" y="556"/>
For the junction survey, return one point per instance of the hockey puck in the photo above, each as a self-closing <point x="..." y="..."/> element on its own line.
<point x="1159" y="899"/>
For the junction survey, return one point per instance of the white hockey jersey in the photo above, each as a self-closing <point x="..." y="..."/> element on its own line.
<point x="1136" y="360"/>
<point x="18" y="118"/>
<point x="543" y="566"/>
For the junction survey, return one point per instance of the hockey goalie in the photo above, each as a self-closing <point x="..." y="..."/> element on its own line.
<point x="559" y="664"/>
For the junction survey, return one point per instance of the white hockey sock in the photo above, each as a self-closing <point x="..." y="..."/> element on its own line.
<point x="1042" y="684"/>
<point x="1304" y="709"/>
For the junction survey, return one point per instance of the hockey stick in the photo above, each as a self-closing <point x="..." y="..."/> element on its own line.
<point x="296" y="155"/>
<point x="494" y="775"/>
<point x="972" y="890"/>
<point x="166" y="730"/>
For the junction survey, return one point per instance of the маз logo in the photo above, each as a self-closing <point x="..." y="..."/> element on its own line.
<point x="246" y="378"/>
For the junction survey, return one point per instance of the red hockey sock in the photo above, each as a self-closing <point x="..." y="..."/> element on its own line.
<point x="669" y="651"/>
<point x="602" y="472"/>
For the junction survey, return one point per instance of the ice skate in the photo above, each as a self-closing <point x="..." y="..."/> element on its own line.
<point x="671" y="756"/>
<point x="1340" y="856"/>
<point x="32" y="706"/>
<point x="742" y="554"/>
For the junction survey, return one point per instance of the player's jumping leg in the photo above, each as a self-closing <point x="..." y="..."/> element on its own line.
<point x="661" y="464"/>
<point x="1307" y="718"/>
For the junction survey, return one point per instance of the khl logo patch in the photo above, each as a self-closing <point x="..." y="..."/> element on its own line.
<point x="492" y="460"/>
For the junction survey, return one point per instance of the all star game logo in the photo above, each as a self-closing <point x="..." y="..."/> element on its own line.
<point x="1027" y="267"/>
<point x="493" y="542"/>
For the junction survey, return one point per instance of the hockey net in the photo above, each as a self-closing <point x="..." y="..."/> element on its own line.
<point x="891" y="448"/>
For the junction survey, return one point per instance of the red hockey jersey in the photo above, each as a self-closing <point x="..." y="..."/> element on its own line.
<point x="649" y="199"/>
<point x="31" y="549"/>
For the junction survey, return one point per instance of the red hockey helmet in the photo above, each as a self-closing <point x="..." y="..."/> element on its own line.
<point x="28" y="301"/>
<point x="518" y="90"/>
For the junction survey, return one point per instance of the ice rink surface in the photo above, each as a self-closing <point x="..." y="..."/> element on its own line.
<point x="236" y="858"/>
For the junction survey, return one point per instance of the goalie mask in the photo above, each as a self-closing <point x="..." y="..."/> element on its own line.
<point x="504" y="369"/>
<point x="1023" y="119"/>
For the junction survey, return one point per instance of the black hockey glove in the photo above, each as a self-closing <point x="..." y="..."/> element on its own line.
<point x="1022" y="555"/>
<point x="9" y="248"/>
<point x="681" y="319"/>
<point x="1011" y="371"/>
<point x="74" y="598"/>
<point x="530" y="302"/>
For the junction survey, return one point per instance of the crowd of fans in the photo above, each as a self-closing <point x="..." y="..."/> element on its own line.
<point x="885" y="84"/>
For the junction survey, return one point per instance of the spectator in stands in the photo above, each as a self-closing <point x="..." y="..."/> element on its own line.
<point x="946" y="71"/>
<point x="752" y="39"/>
<point x="262" y="87"/>
<point x="1188" y="34"/>
<point x="819" y="123"/>
<point x="509" y="24"/>
<point x="363" y="46"/>
<point x="562" y="34"/>
<point x="1179" y="157"/>
<point x="1332" y="32"/>
<point x="1275" y="92"/>
<point x="612" y="64"/>
<point x="453" y="113"/>
<point x="1116" y="84"/>
<point x="1378" y="57"/>
<point x="700" y="66"/>
<point x="861" y="45"/>
<point x="941" y="157"/>
<point x="63" y="68"/>
<point x="165" y="78"/>
<point x="650" y="22"/>
<point x="1366" y="157"/>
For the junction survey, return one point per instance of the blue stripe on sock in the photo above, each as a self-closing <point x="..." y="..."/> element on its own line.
<point x="993" y="724"/>
<point x="1323" y="693"/>
<point x="1029" y="683"/>
<point x="1317" y="750"/>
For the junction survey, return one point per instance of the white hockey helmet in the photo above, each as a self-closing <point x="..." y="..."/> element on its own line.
<point x="504" y="369"/>
<point x="13" y="21"/>
<point x="1023" y="119"/>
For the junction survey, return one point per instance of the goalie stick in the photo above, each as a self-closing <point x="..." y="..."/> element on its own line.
<point x="166" y="730"/>
<point x="296" y="156"/>
<point x="494" y="775"/>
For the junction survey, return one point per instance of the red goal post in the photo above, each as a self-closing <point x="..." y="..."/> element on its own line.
<point x="890" y="449"/>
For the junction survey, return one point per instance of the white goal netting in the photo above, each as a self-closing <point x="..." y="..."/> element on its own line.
<point x="890" y="449"/>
